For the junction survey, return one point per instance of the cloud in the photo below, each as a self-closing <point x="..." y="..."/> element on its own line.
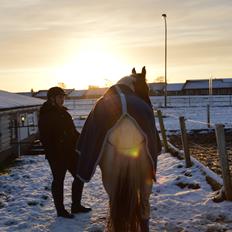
<point x="43" y="33"/>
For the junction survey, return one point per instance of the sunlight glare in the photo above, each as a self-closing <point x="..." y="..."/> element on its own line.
<point x="94" y="64"/>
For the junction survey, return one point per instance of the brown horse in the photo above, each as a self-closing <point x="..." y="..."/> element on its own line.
<point x="120" y="135"/>
<point x="126" y="165"/>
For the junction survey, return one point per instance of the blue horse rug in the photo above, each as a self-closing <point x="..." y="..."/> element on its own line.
<point x="118" y="101"/>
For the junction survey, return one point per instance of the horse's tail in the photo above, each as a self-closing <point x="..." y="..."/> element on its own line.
<point x="126" y="197"/>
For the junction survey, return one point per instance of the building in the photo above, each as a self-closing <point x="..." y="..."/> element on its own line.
<point x="29" y="94"/>
<point x="77" y="94"/>
<point x="41" y="94"/>
<point x="18" y="123"/>
<point x="95" y="92"/>
<point x="156" y="89"/>
<point x="220" y="86"/>
<point x="175" y="89"/>
<point x="202" y="87"/>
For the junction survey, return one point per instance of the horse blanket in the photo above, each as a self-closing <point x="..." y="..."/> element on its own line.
<point x="117" y="102"/>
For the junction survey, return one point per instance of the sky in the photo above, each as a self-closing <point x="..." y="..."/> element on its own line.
<point x="83" y="42"/>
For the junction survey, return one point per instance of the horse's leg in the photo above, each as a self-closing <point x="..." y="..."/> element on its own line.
<point x="146" y="208"/>
<point x="106" y="174"/>
<point x="109" y="168"/>
<point x="106" y="166"/>
<point x="146" y="188"/>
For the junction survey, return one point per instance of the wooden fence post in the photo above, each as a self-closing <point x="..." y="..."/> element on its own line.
<point x="220" y="136"/>
<point x="162" y="129"/>
<point x="184" y="139"/>
<point x="208" y="115"/>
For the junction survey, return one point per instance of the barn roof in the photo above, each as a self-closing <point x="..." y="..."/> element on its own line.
<point x="204" y="84"/>
<point x="41" y="94"/>
<point x="175" y="87"/>
<point x="12" y="100"/>
<point x="156" y="86"/>
<point x="77" y="93"/>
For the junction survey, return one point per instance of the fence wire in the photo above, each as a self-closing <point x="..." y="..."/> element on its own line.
<point x="200" y="133"/>
<point x="202" y="143"/>
<point x="203" y="147"/>
<point x="228" y="138"/>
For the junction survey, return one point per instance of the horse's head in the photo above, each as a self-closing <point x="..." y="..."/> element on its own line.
<point x="137" y="82"/>
<point x="141" y="88"/>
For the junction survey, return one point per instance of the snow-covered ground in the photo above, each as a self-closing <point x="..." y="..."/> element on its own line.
<point x="197" y="117"/>
<point x="26" y="203"/>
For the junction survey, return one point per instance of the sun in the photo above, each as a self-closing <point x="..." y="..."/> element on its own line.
<point x="95" y="63"/>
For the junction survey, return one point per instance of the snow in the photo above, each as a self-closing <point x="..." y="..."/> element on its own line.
<point x="205" y="169"/>
<point x="197" y="117"/>
<point x="191" y="107"/>
<point x="26" y="202"/>
<point x="193" y="101"/>
<point x="12" y="100"/>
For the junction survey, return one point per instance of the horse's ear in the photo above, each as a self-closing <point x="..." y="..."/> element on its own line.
<point x="144" y="72"/>
<point x="133" y="71"/>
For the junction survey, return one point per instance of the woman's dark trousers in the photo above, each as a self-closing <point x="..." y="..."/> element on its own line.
<point x="59" y="168"/>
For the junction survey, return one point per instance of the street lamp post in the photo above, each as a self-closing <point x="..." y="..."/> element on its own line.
<point x="165" y="54"/>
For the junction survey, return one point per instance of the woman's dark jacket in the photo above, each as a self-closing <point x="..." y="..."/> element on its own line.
<point x="57" y="132"/>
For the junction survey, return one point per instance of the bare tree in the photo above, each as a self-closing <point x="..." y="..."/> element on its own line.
<point x="108" y="82"/>
<point x="32" y="92"/>
<point x="160" y="79"/>
<point x="93" y="87"/>
<point x="62" y="85"/>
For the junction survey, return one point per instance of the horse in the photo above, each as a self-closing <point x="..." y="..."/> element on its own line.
<point x="128" y="150"/>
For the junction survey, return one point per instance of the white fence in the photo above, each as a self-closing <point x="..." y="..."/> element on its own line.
<point x="192" y="101"/>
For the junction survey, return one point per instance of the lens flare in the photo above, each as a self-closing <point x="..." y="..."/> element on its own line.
<point x="131" y="152"/>
<point x="134" y="152"/>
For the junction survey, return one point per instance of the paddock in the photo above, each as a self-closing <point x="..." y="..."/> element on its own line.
<point x="181" y="199"/>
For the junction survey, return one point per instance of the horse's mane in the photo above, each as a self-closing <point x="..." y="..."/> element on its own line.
<point x="137" y="83"/>
<point x="128" y="81"/>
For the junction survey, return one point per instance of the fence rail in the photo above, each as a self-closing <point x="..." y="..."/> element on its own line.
<point x="81" y="109"/>
<point x="172" y="101"/>
<point x="193" y="101"/>
<point x="221" y="148"/>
